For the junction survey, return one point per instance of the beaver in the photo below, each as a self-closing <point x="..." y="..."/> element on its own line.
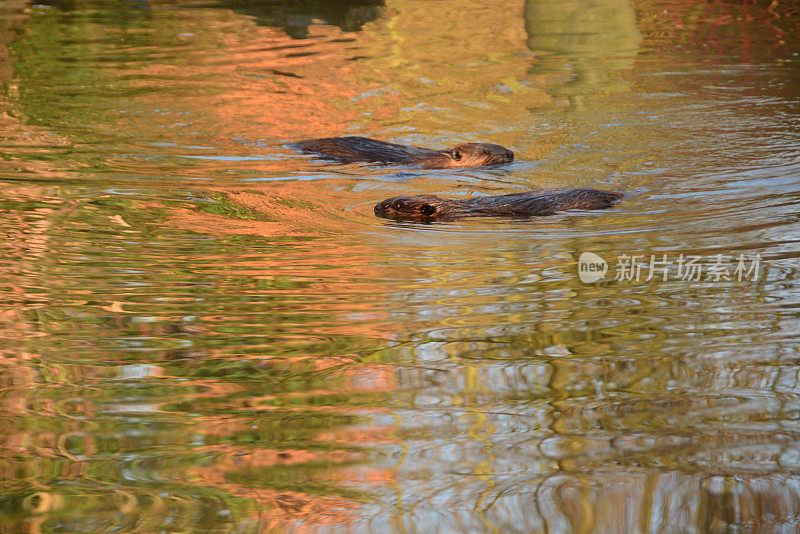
<point x="350" y="149"/>
<point x="515" y="205"/>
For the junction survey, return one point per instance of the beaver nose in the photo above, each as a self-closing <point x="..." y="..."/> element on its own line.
<point x="510" y="155"/>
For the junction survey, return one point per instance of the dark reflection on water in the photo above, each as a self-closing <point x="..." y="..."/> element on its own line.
<point x="201" y="330"/>
<point x="296" y="17"/>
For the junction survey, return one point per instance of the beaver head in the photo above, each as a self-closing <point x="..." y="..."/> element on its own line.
<point x="478" y="155"/>
<point x="416" y="208"/>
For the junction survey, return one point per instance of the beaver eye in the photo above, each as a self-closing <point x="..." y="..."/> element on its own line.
<point x="486" y="152"/>
<point x="400" y="204"/>
<point x="427" y="209"/>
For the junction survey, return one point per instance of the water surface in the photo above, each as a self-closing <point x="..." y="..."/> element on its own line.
<point x="204" y="331"/>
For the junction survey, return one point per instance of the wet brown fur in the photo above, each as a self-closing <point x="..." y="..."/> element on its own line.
<point x="350" y="149"/>
<point x="515" y="205"/>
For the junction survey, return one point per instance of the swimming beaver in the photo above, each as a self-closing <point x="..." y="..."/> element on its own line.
<point x="350" y="149"/>
<point x="515" y="205"/>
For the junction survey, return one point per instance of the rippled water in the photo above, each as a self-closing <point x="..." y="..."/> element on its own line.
<point x="202" y="330"/>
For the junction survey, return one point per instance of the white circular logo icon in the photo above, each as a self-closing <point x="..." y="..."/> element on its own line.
<point x="591" y="267"/>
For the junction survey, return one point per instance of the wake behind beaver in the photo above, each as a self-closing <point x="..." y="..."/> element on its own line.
<point x="514" y="205"/>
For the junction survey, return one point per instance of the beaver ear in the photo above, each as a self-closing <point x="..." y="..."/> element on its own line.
<point x="427" y="209"/>
<point x="455" y="154"/>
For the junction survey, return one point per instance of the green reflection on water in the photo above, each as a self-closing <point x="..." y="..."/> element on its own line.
<point x="220" y="205"/>
<point x="593" y="41"/>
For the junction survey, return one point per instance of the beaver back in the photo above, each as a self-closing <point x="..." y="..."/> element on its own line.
<point x="350" y="149"/>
